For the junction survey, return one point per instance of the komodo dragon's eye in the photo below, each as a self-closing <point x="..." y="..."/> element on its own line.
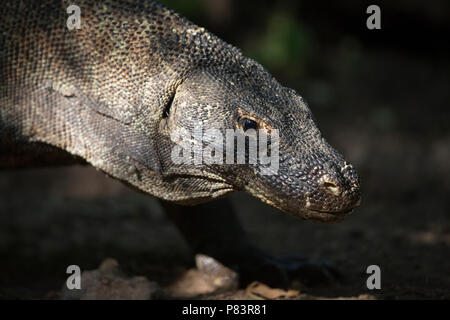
<point x="249" y="124"/>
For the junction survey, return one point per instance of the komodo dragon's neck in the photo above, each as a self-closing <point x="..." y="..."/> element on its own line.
<point x="98" y="93"/>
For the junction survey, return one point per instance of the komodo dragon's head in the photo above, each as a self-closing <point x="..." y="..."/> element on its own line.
<point x="312" y="179"/>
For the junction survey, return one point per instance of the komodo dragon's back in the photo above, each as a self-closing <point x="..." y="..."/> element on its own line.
<point x="112" y="92"/>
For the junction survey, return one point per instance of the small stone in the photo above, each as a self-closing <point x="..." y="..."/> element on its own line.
<point x="209" y="277"/>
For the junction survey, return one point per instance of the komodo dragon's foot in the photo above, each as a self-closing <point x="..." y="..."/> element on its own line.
<point x="283" y="271"/>
<point x="213" y="229"/>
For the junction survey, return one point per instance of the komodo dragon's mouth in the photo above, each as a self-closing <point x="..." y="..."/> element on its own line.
<point x="343" y="212"/>
<point x="325" y="216"/>
<point x="309" y="213"/>
<point x="330" y="216"/>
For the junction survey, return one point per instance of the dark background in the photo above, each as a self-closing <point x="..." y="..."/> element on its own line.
<point x="380" y="96"/>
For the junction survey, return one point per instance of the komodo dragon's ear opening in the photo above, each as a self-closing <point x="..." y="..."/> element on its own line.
<point x="167" y="107"/>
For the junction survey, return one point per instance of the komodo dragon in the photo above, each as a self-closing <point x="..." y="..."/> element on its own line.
<point x="111" y="93"/>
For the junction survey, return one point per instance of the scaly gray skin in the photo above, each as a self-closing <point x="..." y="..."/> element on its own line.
<point x="111" y="93"/>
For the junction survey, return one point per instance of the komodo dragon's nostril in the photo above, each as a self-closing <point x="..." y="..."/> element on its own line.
<point x="329" y="185"/>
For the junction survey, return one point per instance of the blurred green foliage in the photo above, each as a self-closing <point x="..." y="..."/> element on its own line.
<point x="189" y="9"/>
<point x="285" y="45"/>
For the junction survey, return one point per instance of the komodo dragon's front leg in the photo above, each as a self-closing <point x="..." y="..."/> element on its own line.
<point x="214" y="229"/>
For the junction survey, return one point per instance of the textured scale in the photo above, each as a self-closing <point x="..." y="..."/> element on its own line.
<point x="111" y="93"/>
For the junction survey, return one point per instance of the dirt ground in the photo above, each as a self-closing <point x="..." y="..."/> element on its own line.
<point x="386" y="111"/>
